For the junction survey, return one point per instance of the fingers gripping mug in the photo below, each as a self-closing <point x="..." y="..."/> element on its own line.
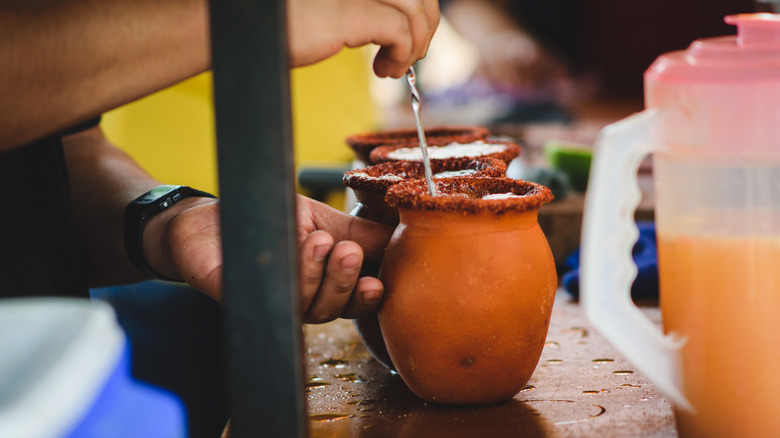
<point x="712" y="124"/>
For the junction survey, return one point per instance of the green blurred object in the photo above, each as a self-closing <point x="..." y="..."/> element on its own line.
<point x="571" y="158"/>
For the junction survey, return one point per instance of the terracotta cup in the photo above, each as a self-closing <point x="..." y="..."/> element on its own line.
<point x="363" y="144"/>
<point x="446" y="149"/>
<point x="370" y="185"/>
<point x="469" y="288"/>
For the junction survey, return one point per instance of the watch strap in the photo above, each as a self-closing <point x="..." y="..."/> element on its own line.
<point x="140" y="210"/>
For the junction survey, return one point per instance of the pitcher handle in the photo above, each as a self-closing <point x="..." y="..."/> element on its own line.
<point x="606" y="267"/>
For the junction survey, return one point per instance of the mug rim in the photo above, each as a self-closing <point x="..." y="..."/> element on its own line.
<point x="511" y="151"/>
<point x="377" y="177"/>
<point x="405" y="135"/>
<point x="413" y="195"/>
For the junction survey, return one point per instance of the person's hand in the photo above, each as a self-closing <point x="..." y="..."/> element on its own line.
<point x="184" y="242"/>
<point x="403" y="29"/>
<point x="332" y="247"/>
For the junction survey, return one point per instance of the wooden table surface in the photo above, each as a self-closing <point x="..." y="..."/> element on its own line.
<point x="581" y="388"/>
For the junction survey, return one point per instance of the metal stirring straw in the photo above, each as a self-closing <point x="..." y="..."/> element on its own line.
<point x="411" y="80"/>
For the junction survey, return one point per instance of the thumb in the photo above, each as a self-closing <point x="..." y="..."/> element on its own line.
<point x="371" y="236"/>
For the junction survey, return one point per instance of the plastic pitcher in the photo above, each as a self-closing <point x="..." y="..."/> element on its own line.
<point x="712" y="125"/>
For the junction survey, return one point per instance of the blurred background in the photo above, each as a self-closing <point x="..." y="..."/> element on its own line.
<point x="536" y="71"/>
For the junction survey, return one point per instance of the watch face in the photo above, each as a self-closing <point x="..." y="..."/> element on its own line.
<point x="156" y="194"/>
<point x="160" y="191"/>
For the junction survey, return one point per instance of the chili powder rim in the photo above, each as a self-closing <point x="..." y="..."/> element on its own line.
<point x="368" y="178"/>
<point x="380" y="138"/>
<point x="512" y="151"/>
<point x="413" y="195"/>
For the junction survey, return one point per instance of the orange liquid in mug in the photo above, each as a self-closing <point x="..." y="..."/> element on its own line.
<point x="723" y="294"/>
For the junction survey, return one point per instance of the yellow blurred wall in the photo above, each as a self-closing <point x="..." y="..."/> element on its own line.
<point x="171" y="133"/>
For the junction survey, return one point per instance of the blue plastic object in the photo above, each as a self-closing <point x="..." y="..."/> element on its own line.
<point x="645" y="257"/>
<point x="127" y="408"/>
<point x="176" y="340"/>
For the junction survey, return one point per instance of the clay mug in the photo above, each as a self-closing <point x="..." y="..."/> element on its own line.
<point x="370" y="185"/>
<point x="469" y="287"/>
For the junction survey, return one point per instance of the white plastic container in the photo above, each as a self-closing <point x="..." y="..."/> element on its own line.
<point x="64" y="372"/>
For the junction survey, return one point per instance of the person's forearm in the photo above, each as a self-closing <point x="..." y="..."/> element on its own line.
<point x="64" y="61"/>
<point x="103" y="180"/>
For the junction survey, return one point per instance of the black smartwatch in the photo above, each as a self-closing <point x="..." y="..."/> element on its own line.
<point x="140" y="210"/>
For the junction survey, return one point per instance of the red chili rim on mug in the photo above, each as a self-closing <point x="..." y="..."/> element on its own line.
<point x="380" y="177"/>
<point x="465" y="195"/>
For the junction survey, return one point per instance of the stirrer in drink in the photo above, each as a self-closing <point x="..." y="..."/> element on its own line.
<point x="411" y="79"/>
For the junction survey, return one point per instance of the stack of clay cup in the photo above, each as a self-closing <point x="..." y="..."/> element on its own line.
<point x="393" y="157"/>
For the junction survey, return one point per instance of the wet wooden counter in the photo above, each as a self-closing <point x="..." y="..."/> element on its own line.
<point x="581" y="387"/>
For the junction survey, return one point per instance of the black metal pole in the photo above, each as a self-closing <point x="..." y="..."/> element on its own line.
<point x="256" y="179"/>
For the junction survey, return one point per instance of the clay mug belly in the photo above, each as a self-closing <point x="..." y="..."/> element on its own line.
<point x="469" y="288"/>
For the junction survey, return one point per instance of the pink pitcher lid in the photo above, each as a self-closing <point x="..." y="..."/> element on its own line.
<point x="753" y="54"/>
<point x="721" y="96"/>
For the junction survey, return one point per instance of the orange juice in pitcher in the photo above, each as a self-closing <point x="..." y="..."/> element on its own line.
<point x="722" y="294"/>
